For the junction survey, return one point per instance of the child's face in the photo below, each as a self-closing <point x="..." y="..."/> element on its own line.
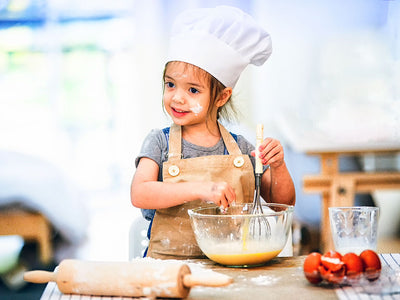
<point x="186" y="94"/>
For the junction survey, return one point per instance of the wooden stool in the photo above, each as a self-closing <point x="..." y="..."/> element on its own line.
<point x="31" y="226"/>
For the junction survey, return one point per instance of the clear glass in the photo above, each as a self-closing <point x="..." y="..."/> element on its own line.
<point x="354" y="229"/>
<point x="238" y="238"/>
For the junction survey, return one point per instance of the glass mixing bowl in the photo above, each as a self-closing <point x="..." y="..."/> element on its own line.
<point x="237" y="238"/>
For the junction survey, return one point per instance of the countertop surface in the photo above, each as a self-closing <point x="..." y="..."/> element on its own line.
<point x="280" y="278"/>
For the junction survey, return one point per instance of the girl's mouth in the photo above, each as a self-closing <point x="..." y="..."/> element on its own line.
<point x="178" y="112"/>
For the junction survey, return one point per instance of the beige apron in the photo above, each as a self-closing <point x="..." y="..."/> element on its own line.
<point x="171" y="234"/>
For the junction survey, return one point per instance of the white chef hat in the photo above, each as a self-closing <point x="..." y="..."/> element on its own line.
<point x="221" y="41"/>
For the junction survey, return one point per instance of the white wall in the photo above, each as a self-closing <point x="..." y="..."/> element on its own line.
<point x="334" y="75"/>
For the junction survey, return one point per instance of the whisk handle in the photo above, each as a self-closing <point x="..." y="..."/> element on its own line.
<point x="259" y="140"/>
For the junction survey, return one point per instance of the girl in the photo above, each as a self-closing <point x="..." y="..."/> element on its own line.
<point x="197" y="161"/>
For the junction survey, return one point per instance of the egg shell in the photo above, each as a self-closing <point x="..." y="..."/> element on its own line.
<point x="336" y="277"/>
<point x="332" y="261"/>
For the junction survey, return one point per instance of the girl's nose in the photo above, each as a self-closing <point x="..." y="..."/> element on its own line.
<point x="178" y="98"/>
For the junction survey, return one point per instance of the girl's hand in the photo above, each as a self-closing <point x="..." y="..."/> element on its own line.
<point x="220" y="193"/>
<point x="271" y="153"/>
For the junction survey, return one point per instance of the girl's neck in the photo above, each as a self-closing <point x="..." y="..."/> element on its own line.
<point x="206" y="135"/>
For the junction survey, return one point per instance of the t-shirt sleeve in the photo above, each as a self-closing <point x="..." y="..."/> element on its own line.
<point x="154" y="147"/>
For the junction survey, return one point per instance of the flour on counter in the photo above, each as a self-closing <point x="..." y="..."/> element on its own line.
<point x="264" y="280"/>
<point x="259" y="280"/>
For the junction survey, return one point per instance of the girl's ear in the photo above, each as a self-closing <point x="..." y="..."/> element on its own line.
<point x="224" y="96"/>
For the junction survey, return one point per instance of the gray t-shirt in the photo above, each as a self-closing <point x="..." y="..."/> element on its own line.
<point x="155" y="147"/>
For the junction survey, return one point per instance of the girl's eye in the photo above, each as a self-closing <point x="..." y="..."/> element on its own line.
<point x="169" y="84"/>
<point x="193" y="90"/>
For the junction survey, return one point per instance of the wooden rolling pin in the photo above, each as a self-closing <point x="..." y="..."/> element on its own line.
<point x="138" y="278"/>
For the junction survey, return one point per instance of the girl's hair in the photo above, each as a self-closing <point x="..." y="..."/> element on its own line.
<point x="226" y="112"/>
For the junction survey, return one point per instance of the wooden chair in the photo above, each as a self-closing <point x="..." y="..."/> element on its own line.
<point x="31" y="226"/>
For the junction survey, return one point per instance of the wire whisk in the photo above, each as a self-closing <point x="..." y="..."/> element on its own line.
<point x="259" y="225"/>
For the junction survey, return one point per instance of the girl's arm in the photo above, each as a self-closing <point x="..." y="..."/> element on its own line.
<point x="277" y="184"/>
<point x="147" y="192"/>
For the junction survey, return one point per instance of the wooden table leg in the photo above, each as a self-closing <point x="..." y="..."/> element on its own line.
<point x="329" y="163"/>
<point x="329" y="166"/>
<point x="44" y="238"/>
<point x="341" y="193"/>
<point x="326" y="242"/>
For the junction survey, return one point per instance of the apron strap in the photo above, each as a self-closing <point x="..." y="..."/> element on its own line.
<point x="230" y="143"/>
<point x="175" y="142"/>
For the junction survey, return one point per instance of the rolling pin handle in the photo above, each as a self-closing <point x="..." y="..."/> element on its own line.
<point x="40" y="276"/>
<point x="214" y="280"/>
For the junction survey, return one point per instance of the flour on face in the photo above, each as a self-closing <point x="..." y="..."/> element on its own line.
<point x="197" y="108"/>
<point x="177" y="75"/>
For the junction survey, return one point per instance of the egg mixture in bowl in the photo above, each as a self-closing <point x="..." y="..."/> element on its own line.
<point x="238" y="238"/>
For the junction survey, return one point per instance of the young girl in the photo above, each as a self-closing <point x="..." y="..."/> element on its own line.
<point x="197" y="161"/>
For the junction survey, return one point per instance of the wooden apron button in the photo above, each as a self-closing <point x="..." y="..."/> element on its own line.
<point x="173" y="170"/>
<point x="238" y="161"/>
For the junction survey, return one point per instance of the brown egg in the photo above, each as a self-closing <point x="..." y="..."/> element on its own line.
<point x="354" y="265"/>
<point x="372" y="264"/>
<point x="310" y="267"/>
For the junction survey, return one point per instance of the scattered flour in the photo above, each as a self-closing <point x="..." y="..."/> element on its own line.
<point x="264" y="280"/>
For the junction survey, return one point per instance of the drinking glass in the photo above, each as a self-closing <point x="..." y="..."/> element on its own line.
<point x="354" y="229"/>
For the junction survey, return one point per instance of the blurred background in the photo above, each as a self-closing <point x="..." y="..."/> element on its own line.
<point x="80" y="88"/>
